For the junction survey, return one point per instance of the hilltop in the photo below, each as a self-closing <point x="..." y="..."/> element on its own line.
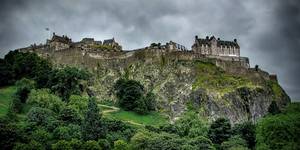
<point x="211" y="78"/>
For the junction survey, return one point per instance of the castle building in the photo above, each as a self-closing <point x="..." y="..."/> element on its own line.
<point x="172" y="46"/>
<point x="112" y="43"/>
<point x="59" y="42"/>
<point x="216" y="47"/>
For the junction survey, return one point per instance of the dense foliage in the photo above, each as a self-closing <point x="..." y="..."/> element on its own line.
<point x="17" y="65"/>
<point x="132" y="96"/>
<point x="280" y="131"/>
<point x="49" y="111"/>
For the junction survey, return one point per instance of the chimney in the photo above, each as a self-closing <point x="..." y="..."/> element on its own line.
<point x="235" y="40"/>
<point x="196" y="37"/>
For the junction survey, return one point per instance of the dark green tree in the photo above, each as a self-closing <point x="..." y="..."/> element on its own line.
<point x="92" y="127"/>
<point x="132" y="96"/>
<point x="273" y="108"/>
<point x="66" y="81"/>
<point x="247" y="132"/>
<point x="6" y="73"/>
<point x="219" y="131"/>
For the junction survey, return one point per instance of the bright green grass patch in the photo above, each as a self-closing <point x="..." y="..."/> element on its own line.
<point x="154" y="118"/>
<point x="6" y="95"/>
<point x="277" y="90"/>
<point x="214" y="79"/>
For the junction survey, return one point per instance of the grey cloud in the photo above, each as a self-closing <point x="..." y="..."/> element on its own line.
<point x="266" y="30"/>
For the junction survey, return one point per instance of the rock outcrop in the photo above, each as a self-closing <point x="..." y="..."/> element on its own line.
<point x="182" y="84"/>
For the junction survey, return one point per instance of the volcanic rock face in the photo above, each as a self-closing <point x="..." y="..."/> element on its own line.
<point x="183" y="84"/>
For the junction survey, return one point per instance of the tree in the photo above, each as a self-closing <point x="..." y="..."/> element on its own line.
<point x="234" y="143"/>
<point x="128" y="93"/>
<point x="201" y="143"/>
<point x="62" y="145"/>
<point x="8" y="135"/>
<point x="24" y="86"/>
<point x="247" y="132"/>
<point x="19" y="98"/>
<point x="69" y="115"/>
<point x="6" y="73"/>
<point x="278" y="132"/>
<point x="41" y="135"/>
<point x="131" y="96"/>
<point x="79" y="103"/>
<point x="120" y="145"/>
<point x="42" y="117"/>
<point x="66" y="81"/>
<point x="28" y="65"/>
<point x="273" y="108"/>
<point x="92" y="128"/>
<point x="91" y="145"/>
<point x="150" y="101"/>
<point x="220" y="130"/>
<point x="67" y="132"/>
<point x="45" y="99"/>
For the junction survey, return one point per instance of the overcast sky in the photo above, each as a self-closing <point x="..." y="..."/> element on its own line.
<point x="268" y="31"/>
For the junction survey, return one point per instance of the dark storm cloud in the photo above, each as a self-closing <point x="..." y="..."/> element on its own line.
<point x="266" y="30"/>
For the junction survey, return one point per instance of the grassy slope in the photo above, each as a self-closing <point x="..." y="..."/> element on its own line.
<point x="6" y="94"/>
<point x="214" y="79"/>
<point x="153" y="118"/>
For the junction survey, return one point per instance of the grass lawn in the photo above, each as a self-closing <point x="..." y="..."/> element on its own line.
<point x="6" y="94"/>
<point x="154" y="118"/>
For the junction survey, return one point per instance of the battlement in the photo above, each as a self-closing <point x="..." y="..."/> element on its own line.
<point x="208" y="48"/>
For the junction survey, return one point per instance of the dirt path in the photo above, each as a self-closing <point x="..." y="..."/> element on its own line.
<point x="115" y="109"/>
<point x="112" y="108"/>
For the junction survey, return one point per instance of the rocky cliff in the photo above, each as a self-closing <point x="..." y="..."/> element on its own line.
<point x="181" y="83"/>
